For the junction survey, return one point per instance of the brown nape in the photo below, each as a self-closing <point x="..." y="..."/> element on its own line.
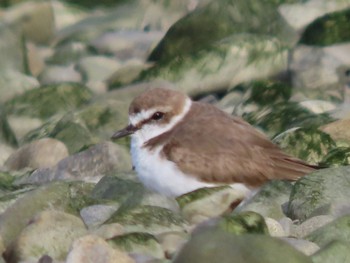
<point x="234" y="153"/>
<point x="158" y="98"/>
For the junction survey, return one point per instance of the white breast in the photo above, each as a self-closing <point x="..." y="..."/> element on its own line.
<point x="159" y="174"/>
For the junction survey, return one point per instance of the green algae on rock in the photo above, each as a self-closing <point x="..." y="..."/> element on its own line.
<point x="328" y="30"/>
<point x="48" y="100"/>
<point x="227" y="248"/>
<point x="308" y="144"/>
<point x="324" y="192"/>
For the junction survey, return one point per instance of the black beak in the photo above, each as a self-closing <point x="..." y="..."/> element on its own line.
<point x="130" y="129"/>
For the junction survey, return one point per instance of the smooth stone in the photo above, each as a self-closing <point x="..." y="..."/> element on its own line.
<point x="126" y="45"/>
<point x="310" y="225"/>
<point x="13" y="83"/>
<point x="338" y="229"/>
<point x="5" y="152"/>
<point x="62" y="196"/>
<point x="36" y="62"/>
<point x="49" y="100"/>
<point x="324" y="192"/>
<point x="96" y="215"/>
<point x="335" y="251"/>
<point x="274" y="227"/>
<point x="108" y="231"/>
<point x="97" y="68"/>
<point x="218" y="246"/>
<point x="287" y="225"/>
<point x="42" y="153"/>
<point x="149" y="219"/>
<point x="22" y="125"/>
<point x="89" y="165"/>
<point x="171" y="242"/>
<point x="58" y="74"/>
<point x="269" y="199"/>
<point x="307" y="247"/>
<point x="93" y="249"/>
<point x="205" y="203"/>
<point x="138" y="243"/>
<point x="338" y="130"/>
<point x="49" y="232"/>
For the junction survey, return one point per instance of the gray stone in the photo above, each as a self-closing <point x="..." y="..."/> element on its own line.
<point x="58" y="74"/>
<point x="199" y="205"/>
<point x="149" y="219"/>
<point x="324" y="192"/>
<point x="95" y="215"/>
<point x="336" y="251"/>
<point x="43" y="153"/>
<point x="13" y="83"/>
<point x="142" y="243"/>
<point x="62" y="196"/>
<point x="219" y="246"/>
<point x="48" y="233"/>
<point x="171" y="242"/>
<point x="269" y="199"/>
<point x="5" y="152"/>
<point x="93" y="249"/>
<point x="126" y="45"/>
<point x="88" y="165"/>
<point x="338" y="229"/>
<point x="310" y="225"/>
<point x="307" y="247"/>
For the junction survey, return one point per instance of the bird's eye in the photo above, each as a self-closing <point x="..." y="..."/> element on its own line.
<point x="157" y="116"/>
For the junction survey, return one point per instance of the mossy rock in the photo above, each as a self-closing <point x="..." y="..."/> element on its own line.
<point x="49" y="100"/>
<point x="328" y="30"/>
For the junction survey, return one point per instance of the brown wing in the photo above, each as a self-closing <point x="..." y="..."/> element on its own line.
<point x="234" y="153"/>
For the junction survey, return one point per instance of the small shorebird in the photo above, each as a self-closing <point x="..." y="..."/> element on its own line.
<point x="178" y="145"/>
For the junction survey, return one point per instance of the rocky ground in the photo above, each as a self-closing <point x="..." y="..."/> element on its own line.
<point x="68" y="71"/>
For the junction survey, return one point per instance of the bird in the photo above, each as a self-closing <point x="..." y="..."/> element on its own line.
<point x="179" y="145"/>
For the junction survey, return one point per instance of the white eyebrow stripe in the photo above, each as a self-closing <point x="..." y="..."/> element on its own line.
<point x="141" y="116"/>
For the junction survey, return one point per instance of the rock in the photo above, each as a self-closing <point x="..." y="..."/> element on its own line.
<point x="148" y="219"/>
<point x="338" y="230"/>
<point x="21" y="125"/>
<point x="269" y="199"/>
<point x="13" y="52"/>
<point x="35" y="19"/>
<point x="327" y="26"/>
<point x="339" y="156"/>
<point x="280" y="117"/>
<point x="5" y="152"/>
<point x="97" y="68"/>
<point x="72" y="130"/>
<point x="243" y="223"/>
<point x="311" y="145"/>
<point x="310" y="225"/>
<point x="48" y="233"/>
<point x="172" y="242"/>
<point x="6" y="133"/>
<point x="204" y="203"/>
<point x="304" y="246"/>
<point x="224" y="247"/>
<point x="43" y="153"/>
<point x="300" y="14"/>
<point x="88" y="165"/>
<point x="13" y="83"/>
<point x="95" y="215"/>
<point x="36" y="63"/>
<point x="135" y="243"/>
<point x="126" y="45"/>
<point x="49" y="100"/>
<point x="66" y="54"/>
<point x="275" y="228"/>
<point x="59" y="74"/>
<point x="318" y="106"/>
<point x="324" y="192"/>
<point x="108" y="231"/>
<point x="93" y="249"/>
<point x="335" y="251"/>
<point x="317" y="74"/>
<point x="62" y="196"/>
<point x="338" y="130"/>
